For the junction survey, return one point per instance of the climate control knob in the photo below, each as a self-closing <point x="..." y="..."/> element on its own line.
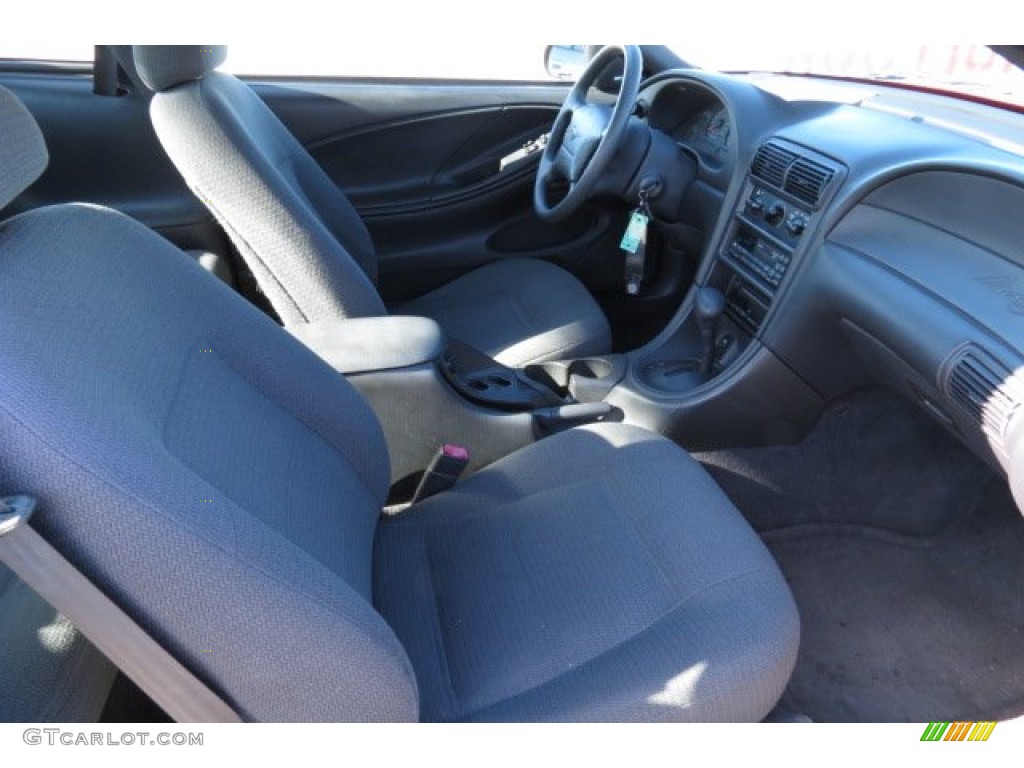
<point x="796" y="224"/>
<point x="775" y="213"/>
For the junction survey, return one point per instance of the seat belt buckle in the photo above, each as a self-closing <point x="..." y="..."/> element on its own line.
<point x="443" y="472"/>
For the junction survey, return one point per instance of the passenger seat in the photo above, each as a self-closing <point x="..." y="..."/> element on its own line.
<point x="224" y="486"/>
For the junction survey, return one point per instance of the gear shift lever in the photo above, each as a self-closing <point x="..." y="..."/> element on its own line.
<point x="709" y="306"/>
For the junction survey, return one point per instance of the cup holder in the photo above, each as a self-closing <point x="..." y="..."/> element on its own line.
<point x="586" y="380"/>
<point x="489" y="381"/>
<point x="674" y="376"/>
<point x="591" y="368"/>
<point x="484" y="381"/>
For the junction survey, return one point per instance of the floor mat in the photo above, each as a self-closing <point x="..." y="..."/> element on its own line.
<point x="908" y="587"/>
<point x="873" y="460"/>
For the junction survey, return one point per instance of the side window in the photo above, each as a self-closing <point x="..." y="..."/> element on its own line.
<point x="465" y="60"/>
<point x="48" y="51"/>
<point x="462" y="60"/>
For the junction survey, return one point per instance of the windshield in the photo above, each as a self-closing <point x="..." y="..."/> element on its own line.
<point x="970" y="69"/>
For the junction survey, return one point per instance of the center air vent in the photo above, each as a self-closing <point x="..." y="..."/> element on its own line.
<point x="790" y="172"/>
<point x="806" y="180"/>
<point x="771" y="163"/>
<point x="981" y="386"/>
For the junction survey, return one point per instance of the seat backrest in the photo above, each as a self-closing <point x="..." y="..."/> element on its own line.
<point x="210" y="474"/>
<point x="48" y="672"/>
<point x="306" y="245"/>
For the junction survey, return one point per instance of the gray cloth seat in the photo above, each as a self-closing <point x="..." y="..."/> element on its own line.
<point x="224" y="486"/>
<point x="306" y="245"/>
<point x="598" y="575"/>
<point x="533" y="310"/>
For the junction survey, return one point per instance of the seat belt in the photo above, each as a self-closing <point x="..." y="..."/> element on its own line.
<point x="162" y="677"/>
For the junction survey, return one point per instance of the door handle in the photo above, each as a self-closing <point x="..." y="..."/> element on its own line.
<point x="529" y="149"/>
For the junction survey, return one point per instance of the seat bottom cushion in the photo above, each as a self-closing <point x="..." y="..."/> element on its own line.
<point x="518" y="311"/>
<point x="598" y="575"/>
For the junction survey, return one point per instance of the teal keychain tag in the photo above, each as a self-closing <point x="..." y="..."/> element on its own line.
<point x="636" y="232"/>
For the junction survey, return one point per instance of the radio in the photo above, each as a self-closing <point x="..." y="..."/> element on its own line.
<point x="787" y="185"/>
<point x="757" y="258"/>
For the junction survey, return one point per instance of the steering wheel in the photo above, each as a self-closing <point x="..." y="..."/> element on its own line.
<point x="585" y="136"/>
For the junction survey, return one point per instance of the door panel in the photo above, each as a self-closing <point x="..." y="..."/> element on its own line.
<point x="415" y="164"/>
<point x="421" y="163"/>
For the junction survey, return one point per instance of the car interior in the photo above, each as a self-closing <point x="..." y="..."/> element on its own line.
<point x="664" y="394"/>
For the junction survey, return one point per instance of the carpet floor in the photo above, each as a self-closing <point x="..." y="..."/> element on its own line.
<point x="906" y="558"/>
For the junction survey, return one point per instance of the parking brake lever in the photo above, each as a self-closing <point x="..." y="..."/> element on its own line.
<point x="560" y="417"/>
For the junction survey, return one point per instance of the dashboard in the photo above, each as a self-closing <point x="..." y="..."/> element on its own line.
<point x="863" y="234"/>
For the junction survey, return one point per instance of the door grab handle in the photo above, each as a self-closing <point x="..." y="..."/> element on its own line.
<point x="528" y="149"/>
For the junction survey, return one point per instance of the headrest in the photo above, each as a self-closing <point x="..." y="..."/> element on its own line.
<point x="164" y="66"/>
<point x="23" y="154"/>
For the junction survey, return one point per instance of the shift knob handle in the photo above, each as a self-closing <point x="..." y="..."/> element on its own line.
<point x="710" y="305"/>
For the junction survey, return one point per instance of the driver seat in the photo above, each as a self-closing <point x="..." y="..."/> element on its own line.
<point x="306" y="245"/>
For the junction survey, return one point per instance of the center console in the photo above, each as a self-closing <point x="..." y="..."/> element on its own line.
<point x="778" y="207"/>
<point x="781" y="198"/>
<point x="710" y="379"/>
<point x="428" y="390"/>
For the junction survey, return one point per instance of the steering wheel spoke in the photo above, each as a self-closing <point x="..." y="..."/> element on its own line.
<point x="585" y="135"/>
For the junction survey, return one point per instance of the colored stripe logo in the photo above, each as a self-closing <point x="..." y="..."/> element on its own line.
<point x="958" y="731"/>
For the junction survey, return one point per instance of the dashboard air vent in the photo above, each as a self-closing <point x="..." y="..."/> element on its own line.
<point x="771" y="163"/>
<point x="806" y="180"/>
<point x="981" y="386"/>
<point x="791" y="172"/>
